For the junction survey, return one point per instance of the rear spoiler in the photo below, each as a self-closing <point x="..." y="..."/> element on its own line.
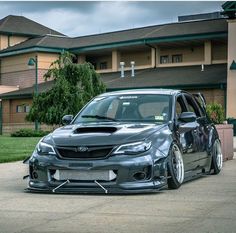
<point x="199" y="97"/>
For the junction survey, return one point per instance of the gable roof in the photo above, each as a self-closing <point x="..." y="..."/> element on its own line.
<point x="187" y="77"/>
<point x="169" y="77"/>
<point x="159" y="33"/>
<point x="229" y="9"/>
<point x="28" y="91"/>
<point x="20" y="25"/>
<point x="48" y="41"/>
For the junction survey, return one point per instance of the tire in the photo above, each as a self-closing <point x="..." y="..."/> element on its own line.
<point x="217" y="157"/>
<point x="175" y="168"/>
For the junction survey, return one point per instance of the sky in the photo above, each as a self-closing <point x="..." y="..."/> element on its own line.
<point x="78" y="18"/>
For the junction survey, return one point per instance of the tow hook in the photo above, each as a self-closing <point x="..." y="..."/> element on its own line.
<point x="105" y="190"/>
<point x="60" y="185"/>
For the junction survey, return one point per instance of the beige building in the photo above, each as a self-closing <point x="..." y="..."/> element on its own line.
<point x="195" y="55"/>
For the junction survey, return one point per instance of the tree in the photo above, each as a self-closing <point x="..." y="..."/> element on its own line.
<point x="74" y="85"/>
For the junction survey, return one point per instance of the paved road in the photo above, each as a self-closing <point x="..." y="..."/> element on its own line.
<point x="205" y="205"/>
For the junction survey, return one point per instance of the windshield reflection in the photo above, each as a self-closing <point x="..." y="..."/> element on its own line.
<point x="153" y="108"/>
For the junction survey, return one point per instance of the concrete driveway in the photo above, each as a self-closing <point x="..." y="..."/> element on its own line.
<point x="205" y="205"/>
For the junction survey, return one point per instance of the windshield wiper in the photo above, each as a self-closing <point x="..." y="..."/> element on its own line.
<point x="99" y="117"/>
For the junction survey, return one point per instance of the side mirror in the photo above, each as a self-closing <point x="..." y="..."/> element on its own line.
<point x="187" y="117"/>
<point x="66" y="120"/>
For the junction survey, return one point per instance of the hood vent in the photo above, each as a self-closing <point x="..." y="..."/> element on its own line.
<point x="95" y="130"/>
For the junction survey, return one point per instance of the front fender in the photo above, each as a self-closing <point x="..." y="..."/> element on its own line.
<point x="162" y="140"/>
<point x="213" y="135"/>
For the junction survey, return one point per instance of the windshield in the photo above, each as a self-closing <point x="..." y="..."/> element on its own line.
<point x="152" y="108"/>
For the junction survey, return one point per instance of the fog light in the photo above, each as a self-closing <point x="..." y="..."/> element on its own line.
<point x="35" y="175"/>
<point x="140" y="176"/>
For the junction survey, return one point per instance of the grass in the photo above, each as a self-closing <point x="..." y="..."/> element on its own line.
<point x="16" y="148"/>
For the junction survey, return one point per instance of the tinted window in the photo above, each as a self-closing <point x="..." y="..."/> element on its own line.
<point x="141" y="108"/>
<point x="192" y="106"/>
<point x="180" y="106"/>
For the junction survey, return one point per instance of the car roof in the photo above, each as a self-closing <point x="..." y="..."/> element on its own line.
<point x="143" y="91"/>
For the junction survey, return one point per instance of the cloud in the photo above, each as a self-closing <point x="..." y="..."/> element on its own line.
<point x="89" y="17"/>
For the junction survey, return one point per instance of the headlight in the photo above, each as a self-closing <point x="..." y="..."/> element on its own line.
<point x="133" y="148"/>
<point x="44" y="149"/>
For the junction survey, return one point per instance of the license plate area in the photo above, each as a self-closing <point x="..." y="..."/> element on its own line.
<point x="75" y="175"/>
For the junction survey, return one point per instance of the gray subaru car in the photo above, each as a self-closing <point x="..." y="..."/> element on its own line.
<point x="128" y="141"/>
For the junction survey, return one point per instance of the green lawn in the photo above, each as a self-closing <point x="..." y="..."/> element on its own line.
<point x="16" y="148"/>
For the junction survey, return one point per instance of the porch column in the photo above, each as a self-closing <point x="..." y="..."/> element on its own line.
<point x="158" y="54"/>
<point x="207" y="52"/>
<point x="115" y="60"/>
<point x="231" y="70"/>
<point x="153" y="57"/>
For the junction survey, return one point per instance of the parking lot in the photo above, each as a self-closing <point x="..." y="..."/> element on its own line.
<point x="204" y="205"/>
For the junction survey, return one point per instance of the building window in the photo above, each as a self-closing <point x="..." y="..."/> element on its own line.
<point x="19" y="108"/>
<point x="177" y="58"/>
<point x="164" y="59"/>
<point x="27" y="108"/>
<point x="22" y="108"/>
<point x="103" y="65"/>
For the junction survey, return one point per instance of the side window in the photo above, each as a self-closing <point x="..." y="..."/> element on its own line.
<point x="180" y="106"/>
<point x="192" y="106"/>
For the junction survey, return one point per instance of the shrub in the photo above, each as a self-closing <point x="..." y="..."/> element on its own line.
<point x="29" y="133"/>
<point x="216" y="113"/>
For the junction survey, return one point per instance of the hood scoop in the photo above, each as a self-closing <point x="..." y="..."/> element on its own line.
<point x="83" y="130"/>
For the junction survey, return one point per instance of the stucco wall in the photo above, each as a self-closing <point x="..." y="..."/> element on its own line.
<point x="141" y="58"/>
<point x="15" y="70"/>
<point x="46" y="59"/>
<point x="190" y="54"/>
<point x="3" y="42"/>
<point x="15" y="63"/>
<point x="231" y="76"/>
<point x="20" y="62"/>
<point x="6" y="41"/>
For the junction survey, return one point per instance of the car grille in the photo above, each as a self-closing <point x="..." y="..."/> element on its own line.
<point x="84" y="152"/>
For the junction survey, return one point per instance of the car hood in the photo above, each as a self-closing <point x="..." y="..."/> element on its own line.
<point x="101" y="134"/>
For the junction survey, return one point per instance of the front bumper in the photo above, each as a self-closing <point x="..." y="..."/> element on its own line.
<point x="134" y="174"/>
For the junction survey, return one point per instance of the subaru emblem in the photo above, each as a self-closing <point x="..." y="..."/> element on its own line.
<point x="82" y="149"/>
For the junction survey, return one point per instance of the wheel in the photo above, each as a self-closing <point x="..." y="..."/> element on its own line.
<point x="217" y="157"/>
<point x="175" y="168"/>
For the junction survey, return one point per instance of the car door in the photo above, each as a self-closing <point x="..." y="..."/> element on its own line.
<point x="186" y="138"/>
<point x="200" y="133"/>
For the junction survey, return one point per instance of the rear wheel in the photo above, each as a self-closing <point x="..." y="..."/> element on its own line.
<point x="175" y="168"/>
<point x="217" y="157"/>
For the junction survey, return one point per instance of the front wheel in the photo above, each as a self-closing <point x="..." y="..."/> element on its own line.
<point x="217" y="157"/>
<point x="175" y="168"/>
